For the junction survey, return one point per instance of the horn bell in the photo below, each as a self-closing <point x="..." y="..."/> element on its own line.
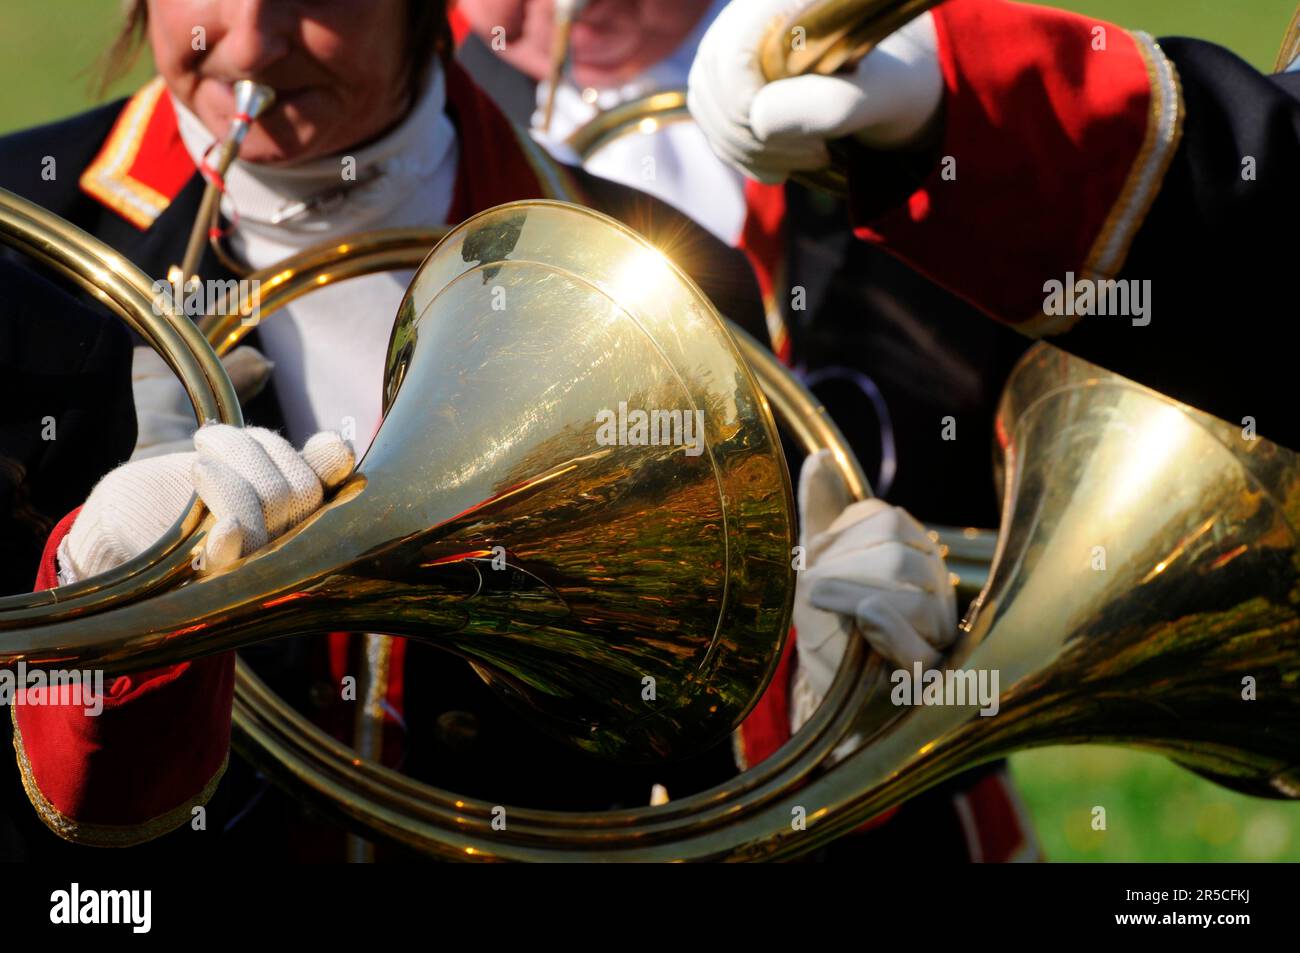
<point x="1145" y="592"/>
<point x="630" y="588"/>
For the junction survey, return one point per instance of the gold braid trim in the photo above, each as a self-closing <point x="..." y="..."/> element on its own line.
<point x="1290" y="45"/>
<point x="107" y="835"/>
<point x="738" y="753"/>
<point x="108" y="178"/>
<point x="368" y="726"/>
<point x="1163" y="134"/>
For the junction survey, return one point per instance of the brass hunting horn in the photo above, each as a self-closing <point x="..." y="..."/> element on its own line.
<point x="1120" y="654"/>
<point x="491" y="446"/>
<point x="1196" y="590"/>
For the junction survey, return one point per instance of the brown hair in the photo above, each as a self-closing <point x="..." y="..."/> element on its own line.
<point x="428" y="33"/>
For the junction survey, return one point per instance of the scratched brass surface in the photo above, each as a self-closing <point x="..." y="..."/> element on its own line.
<point x="1198" y="591"/>
<point x="624" y="562"/>
<point x="1194" y="525"/>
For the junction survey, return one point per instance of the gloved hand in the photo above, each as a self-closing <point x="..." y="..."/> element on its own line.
<point x="164" y="418"/>
<point x="770" y="130"/>
<point x="870" y="563"/>
<point x="254" y="483"/>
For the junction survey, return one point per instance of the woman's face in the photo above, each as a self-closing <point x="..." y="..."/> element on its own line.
<point x="337" y="67"/>
<point x="612" y="40"/>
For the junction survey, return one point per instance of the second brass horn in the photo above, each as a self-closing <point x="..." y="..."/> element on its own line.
<point x="1150" y="649"/>
<point x="1197" y="591"/>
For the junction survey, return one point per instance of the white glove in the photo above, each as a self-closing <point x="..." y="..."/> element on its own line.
<point x="164" y="418"/>
<point x="254" y="483"/>
<point x="867" y="563"/>
<point x="769" y="131"/>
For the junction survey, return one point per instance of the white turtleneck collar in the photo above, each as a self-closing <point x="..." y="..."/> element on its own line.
<point x="414" y="161"/>
<point x="329" y="347"/>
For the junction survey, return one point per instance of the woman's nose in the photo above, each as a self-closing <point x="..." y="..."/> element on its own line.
<point x="256" y="35"/>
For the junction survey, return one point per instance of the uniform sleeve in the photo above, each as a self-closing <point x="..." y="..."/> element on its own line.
<point x="135" y="769"/>
<point x="1126" y="199"/>
<point x="68" y="417"/>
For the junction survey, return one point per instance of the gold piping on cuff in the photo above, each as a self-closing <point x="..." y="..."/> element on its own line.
<point x="738" y="750"/>
<point x="777" y="332"/>
<point x="1163" y="134"/>
<point x="107" y="835"/>
<point x="1290" y="45"/>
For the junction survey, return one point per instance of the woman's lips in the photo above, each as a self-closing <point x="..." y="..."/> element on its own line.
<point x="283" y="97"/>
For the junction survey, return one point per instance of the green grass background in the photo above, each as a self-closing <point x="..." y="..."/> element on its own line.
<point x="48" y="48"/>
<point x="1154" y="810"/>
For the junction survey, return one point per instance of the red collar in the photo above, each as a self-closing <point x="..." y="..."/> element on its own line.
<point x="143" y="165"/>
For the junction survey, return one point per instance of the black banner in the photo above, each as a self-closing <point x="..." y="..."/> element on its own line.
<point x="911" y="900"/>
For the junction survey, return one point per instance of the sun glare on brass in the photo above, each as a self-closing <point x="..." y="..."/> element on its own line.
<point x="1147" y="566"/>
<point x="489" y="441"/>
<point x="1129" y="655"/>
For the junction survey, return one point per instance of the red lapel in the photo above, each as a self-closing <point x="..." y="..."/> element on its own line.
<point x="143" y="164"/>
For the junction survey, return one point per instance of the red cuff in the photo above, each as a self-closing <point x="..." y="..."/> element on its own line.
<point x="135" y="769"/>
<point x="1058" y="132"/>
<point x="47" y="575"/>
